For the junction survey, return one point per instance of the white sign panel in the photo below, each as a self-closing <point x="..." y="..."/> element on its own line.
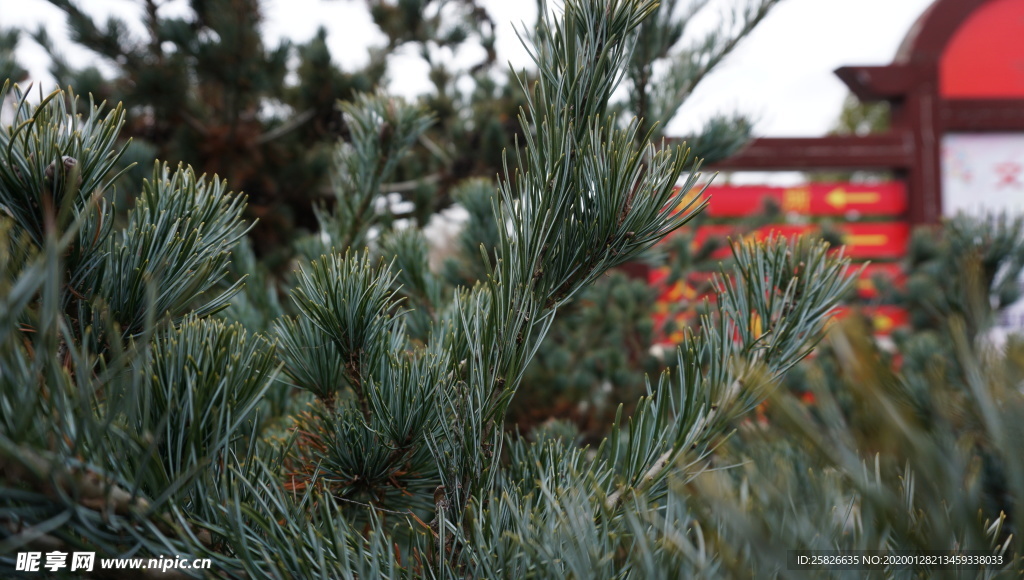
<point x="982" y="173"/>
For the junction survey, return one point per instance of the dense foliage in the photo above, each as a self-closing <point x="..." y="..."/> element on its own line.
<point x="360" y="432"/>
<point x="262" y="115"/>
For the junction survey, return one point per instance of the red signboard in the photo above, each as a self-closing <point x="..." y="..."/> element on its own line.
<point x="883" y="242"/>
<point x="818" y="199"/>
<point x="861" y="241"/>
<point x="696" y="287"/>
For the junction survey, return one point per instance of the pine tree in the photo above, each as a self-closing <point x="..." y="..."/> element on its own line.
<point x="130" y="413"/>
<point x="236" y="110"/>
<point x="466" y="138"/>
<point x="231" y="110"/>
<point x="605" y="335"/>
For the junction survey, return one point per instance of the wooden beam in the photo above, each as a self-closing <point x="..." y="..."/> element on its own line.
<point x="893" y="150"/>
<point x="933" y="30"/>
<point x="883" y="83"/>
<point x="924" y="176"/>
<point x="982" y="115"/>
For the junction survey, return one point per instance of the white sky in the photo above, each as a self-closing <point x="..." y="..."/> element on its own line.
<point x="781" y="75"/>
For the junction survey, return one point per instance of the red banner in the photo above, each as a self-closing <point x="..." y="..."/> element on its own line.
<point x="817" y="199"/>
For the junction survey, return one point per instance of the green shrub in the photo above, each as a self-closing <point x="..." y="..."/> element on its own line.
<point x="133" y="421"/>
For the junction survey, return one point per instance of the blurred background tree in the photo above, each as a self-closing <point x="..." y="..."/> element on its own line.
<point x="205" y="88"/>
<point x="265" y="117"/>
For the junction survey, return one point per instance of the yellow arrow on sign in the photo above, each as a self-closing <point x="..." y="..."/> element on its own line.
<point x="865" y="239"/>
<point x="883" y="323"/>
<point x="839" y="197"/>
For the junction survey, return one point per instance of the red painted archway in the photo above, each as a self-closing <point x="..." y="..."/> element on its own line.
<point x="959" y="68"/>
<point x="984" y="58"/>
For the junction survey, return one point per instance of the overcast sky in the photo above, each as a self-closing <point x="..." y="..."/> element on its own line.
<point x="781" y="75"/>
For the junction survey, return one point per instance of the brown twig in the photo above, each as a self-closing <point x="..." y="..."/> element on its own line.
<point x="92" y="490"/>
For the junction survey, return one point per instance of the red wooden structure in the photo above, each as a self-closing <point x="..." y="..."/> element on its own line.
<point x="959" y="69"/>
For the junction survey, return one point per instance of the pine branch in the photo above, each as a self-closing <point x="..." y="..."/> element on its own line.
<point x="26" y="467"/>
